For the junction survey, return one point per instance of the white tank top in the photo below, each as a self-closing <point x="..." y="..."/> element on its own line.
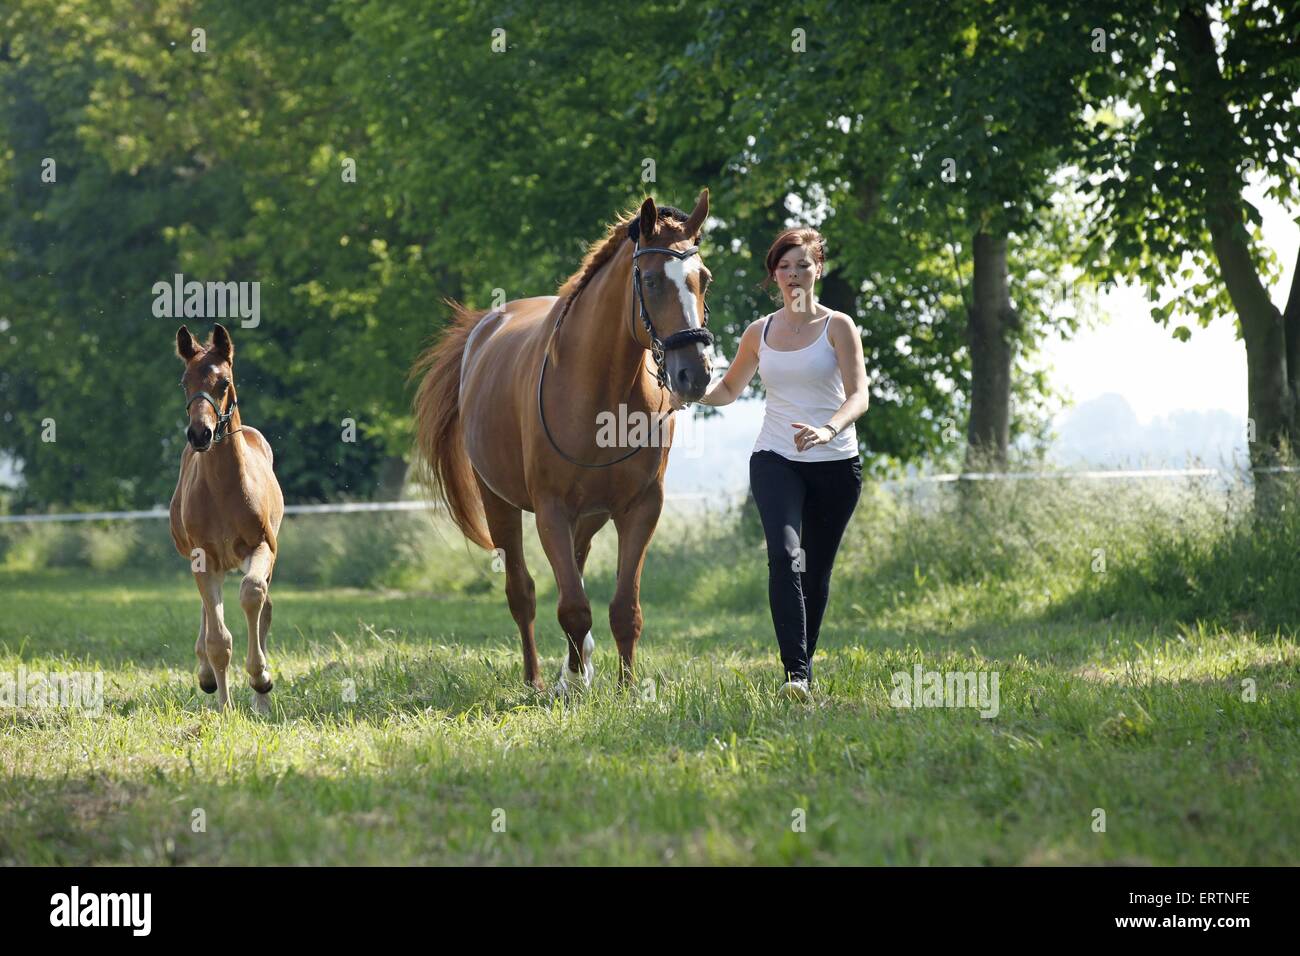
<point x="804" y="385"/>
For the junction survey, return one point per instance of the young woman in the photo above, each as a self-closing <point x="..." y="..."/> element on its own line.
<point x="804" y="472"/>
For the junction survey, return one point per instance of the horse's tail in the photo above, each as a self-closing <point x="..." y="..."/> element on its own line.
<point x="442" y="462"/>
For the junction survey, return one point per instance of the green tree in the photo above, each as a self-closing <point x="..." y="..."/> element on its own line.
<point x="1188" y="104"/>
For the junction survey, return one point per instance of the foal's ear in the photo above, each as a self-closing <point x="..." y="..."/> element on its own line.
<point x="221" y="343"/>
<point x="649" y="219"/>
<point x="187" y="346"/>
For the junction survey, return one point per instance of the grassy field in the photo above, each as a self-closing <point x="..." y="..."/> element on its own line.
<point x="402" y="732"/>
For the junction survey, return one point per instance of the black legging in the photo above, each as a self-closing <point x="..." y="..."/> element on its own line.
<point x="817" y="498"/>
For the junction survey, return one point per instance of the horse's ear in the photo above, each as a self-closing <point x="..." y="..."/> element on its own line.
<point x="222" y="344"/>
<point x="187" y="346"/>
<point x="695" y="222"/>
<point x="649" y="219"/>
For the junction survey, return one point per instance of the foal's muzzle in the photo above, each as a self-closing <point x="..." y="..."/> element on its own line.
<point x="199" y="436"/>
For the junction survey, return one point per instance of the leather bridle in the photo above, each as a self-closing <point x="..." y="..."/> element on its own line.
<point x="659" y="348"/>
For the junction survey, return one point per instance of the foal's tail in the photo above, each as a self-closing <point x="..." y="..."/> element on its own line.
<point x="442" y="461"/>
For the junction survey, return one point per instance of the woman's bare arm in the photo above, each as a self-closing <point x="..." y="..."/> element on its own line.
<point x="741" y="371"/>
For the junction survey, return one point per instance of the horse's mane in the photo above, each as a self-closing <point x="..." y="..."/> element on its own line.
<point x="602" y="250"/>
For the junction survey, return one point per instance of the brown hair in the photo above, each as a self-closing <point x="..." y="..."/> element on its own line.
<point x="804" y="236"/>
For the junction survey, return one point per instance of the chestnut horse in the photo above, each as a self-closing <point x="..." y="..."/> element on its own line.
<point x="507" y="419"/>
<point x="226" y="513"/>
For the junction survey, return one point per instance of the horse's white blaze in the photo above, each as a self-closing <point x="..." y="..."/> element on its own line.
<point x="678" y="270"/>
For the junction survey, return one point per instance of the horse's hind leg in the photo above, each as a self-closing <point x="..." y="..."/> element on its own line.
<point x="207" y="680"/>
<point x="505" y="523"/>
<point x="254" y="595"/>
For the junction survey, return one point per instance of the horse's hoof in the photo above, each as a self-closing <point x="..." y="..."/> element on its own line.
<point x="263" y="690"/>
<point x="208" y="687"/>
<point x="261" y="704"/>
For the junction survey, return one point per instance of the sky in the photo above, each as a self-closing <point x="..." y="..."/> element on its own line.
<point x="1131" y="355"/>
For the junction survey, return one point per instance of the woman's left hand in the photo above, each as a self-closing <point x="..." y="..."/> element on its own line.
<point x="808" y="435"/>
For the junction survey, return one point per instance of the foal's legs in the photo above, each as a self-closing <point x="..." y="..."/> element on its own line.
<point x="505" y="523"/>
<point x="574" y="610"/>
<point x="217" y="641"/>
<point x="635" y="527"/>
<point x="207" y="682"/>
<point x="254" y="598"/>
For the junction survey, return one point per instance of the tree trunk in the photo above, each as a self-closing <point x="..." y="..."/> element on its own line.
<point x="838" y="294"/>
<point x="989" y="326"/>
<point x="1272" y="341"/>
<point x="391" y="478"/>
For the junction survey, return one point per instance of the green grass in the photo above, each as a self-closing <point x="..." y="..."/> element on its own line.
<point x="1133" y="707"/>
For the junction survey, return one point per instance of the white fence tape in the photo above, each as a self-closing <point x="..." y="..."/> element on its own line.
<point x="1050" y="475"/>
<point x="362" y="506"/>
<point x="352" y="507"/>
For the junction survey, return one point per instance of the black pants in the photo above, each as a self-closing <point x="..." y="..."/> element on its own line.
<point x="805" y="507"/>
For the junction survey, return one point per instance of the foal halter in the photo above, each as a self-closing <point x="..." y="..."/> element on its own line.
<point x="221" y="432"/>
<point x="658" y="347"/>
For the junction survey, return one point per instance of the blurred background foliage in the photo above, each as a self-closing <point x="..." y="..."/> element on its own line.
<point x="479" y="169"/>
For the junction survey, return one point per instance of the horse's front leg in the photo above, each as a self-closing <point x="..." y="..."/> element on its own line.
<point x="555" y="529"/>
<point x="635" y="526"/>
<point x="207" y="680"/>
<point x="217" y="640"/>
<point x="255" y="599"/>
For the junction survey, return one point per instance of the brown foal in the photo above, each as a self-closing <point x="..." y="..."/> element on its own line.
<point x="225" y="513"/>
<point x="499" y="439"/>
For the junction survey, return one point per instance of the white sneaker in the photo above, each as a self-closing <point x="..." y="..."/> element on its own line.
<point x="795" y="690"/>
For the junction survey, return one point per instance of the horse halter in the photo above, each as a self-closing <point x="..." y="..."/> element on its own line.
<point x="220" y="433"/>
<point x="660" y="347"/>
